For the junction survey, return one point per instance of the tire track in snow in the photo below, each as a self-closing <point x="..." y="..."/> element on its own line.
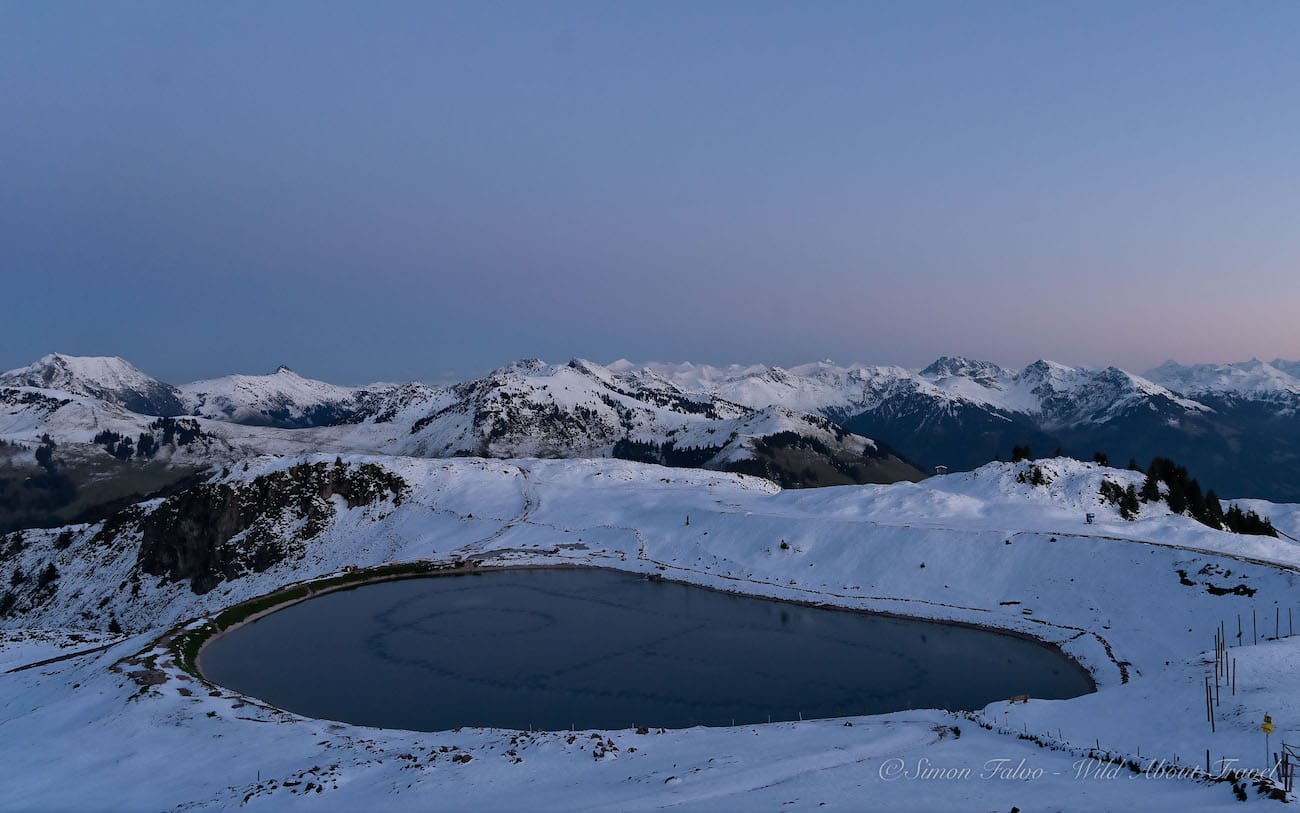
<point x="528" y="495"/>
<point x="1239" y="557"/>
<point x="65" y="657"/>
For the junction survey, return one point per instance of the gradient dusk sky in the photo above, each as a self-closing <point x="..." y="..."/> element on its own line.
<point x="384" y="190"/>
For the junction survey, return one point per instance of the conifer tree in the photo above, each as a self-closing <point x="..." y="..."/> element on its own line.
<point x="1150" y="489"/>
<point x="1129" y="505"/>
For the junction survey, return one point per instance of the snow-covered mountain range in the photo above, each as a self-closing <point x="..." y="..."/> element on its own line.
<point x="1053" y="394"/>
<point x="1237" y="426"/>
<point x="526" y="409"/>
<point x="1252" y="380"/>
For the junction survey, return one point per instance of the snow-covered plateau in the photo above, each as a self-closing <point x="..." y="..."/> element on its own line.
<point x="99" y="720"/>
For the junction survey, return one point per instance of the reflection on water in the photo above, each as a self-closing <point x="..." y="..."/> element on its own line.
<point x="552" y="649"/>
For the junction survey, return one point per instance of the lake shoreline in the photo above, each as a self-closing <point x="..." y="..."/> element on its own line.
<point x="252" y="610"/>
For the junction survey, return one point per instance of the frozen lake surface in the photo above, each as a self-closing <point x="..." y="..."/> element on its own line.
<point x="554" y="648"/>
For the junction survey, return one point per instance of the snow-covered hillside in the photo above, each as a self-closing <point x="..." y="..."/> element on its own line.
<point x="1136" y="602"/>
<point x="1053" y="393"/>
<point x="1291" y="368"/>
<point x="1248" y="380"/>
<point x="107" y="378"/>
<point x="582" y="409"/>
<point x="283" y="399"/>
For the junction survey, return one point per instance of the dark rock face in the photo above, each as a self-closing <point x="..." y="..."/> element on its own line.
<point x="985" y="373"/>
<point x="192" y="535"/>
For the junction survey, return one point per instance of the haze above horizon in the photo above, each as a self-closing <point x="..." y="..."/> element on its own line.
<point x="425" y="190"/>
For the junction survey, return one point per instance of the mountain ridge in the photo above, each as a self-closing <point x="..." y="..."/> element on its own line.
<point x="108" y="378"/>
<point x="1236" y="424"/>
<point x="62" y="448"/>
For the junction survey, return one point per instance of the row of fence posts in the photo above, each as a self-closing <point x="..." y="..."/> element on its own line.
<point x="1225" y="666"/>
<point x="1225" y="673"/>
<point x="1290" y="754"/>
<point x="1254" y="626"/>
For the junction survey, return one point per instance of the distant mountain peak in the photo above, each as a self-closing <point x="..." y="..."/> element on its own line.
<point x="283" y="399"/>
<point x="1046" y="366"/>
<point x="1291" y="368"/>
<point x="1250" y="380"/>
<point x="102" y="369"/>
<point x="108" y="378"/>
<point x="949" y="366"/>
<point x="525" y="366"/>
<point x="1167" y="364"/>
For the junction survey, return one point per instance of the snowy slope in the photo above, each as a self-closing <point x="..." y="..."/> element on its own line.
<point x="998" y="551"/>
<point x="107" y="378"/>
<point x="1250" y="380"/>
<point x="73" y="422"/>
<point x="1054" y="393"/>
<point x="283" y="399"/>
<point x="535" y="409"/>
<point x="26" y="414"/>
<point x="1071" y="396"/>
<point x="582" y="409"/>
<point x="1291" y="368"/>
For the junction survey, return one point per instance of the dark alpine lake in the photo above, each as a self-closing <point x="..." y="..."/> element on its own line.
<point x="551" y="649"/>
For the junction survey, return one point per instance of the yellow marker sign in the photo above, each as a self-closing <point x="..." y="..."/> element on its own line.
<point x="1268" y="726"/>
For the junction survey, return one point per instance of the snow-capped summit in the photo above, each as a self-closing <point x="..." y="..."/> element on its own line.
<point x="283" y="398"/>
<point x="1049" y="373"/>
<point x="1072" y="396"/>
<point x="983" y="372"/>
<point x="1249" y="380"/>
<point x="107" y="378"/>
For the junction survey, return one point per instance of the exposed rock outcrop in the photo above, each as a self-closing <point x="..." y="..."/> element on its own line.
<point x="219" y="531"/>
